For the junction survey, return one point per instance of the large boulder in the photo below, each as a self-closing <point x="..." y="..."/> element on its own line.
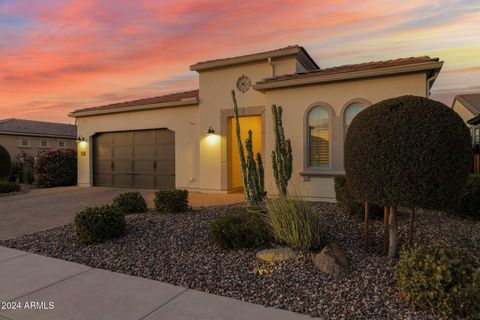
<point x="332" y="260"/>
<point x="276" y="255"/>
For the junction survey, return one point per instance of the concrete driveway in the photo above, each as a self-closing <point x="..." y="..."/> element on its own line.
<point x="42" y="209"/>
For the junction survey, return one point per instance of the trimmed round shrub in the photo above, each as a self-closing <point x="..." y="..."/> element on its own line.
<point x="7" y="187"/>
<point x="293" y="222"/>
<point x="5" y="162"/>
<point x="408" y="151"/>
<point x="56" y="168"/>
<point x="441" y="280"/>
<point x="238" y="230"/>
<point x="470" y="202"/>
<point x="348" y="203"/>
<point x="130" y="202"/>
<point x="171" y="201"/>
<point x="98" y="224"/>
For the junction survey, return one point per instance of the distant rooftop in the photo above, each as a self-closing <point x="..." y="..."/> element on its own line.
<point x="472" y="103"/>
<point x="41" y="128"/>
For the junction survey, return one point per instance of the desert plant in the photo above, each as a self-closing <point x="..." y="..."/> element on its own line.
<point x="171" y="201"/>
<point x="130" y="202"/>
<point x="98" y="224"/>
<point x="442" y="280"/>
<point x="56" y="168"/>
<point x="252" y="170"/>
<point x="469" y="204"/>
<point x="7" y="187"/>
<point x="5" y="162"/>
<point x="239" y="229"/>
<point x="293" y="222"/>
<point x="407" y="152"/>
<point x="282" y="155"/>
<point x="348" y="203"/>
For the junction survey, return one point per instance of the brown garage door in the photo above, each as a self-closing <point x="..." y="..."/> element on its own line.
<point x="142" y="159"/>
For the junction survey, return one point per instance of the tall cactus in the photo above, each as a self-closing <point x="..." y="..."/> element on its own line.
<point x="252" y="171"/>
<point x="282" y="155"/>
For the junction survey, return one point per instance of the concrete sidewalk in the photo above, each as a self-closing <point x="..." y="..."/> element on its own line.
<point x="45" y="288"/>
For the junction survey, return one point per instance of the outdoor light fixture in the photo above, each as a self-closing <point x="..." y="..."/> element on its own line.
<point x="80" y="139"/>
<point x="210" y="131"/>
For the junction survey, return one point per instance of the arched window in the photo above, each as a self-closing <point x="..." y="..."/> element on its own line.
<point x="351" y="112"/>
<point x="318" y="126"/>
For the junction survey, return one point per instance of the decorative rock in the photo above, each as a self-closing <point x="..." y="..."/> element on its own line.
<point x="276" y="255"/>
<point x="332" y="260"/>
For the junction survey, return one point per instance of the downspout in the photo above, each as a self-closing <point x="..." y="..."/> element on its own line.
<point x="430" y="83"/>
<point x="271" y="65"/>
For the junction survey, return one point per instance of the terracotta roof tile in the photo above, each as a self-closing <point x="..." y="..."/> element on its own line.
<point x="172" y="97"/>
<point x="350" y="68"/>
<point x="38" y="128"/>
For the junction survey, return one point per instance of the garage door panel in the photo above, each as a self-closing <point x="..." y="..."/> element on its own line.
<point x="123" y="152"/>
<point x="145" y="152"/>
<point x="142" y="159"/>
<point x="144" y="181"/>
<point x="123" y="180"/>
<point x="123" y="138"/>
<point x="165" y="152"/>
<point x="146" y="137"/>
<point x="101" y="179"/>
<point x="165" y="182"/>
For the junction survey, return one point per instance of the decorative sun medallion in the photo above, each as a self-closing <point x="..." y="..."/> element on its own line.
<point x="243" y="84"/>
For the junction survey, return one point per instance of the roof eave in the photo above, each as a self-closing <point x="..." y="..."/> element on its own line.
<point x="181" y="103"/>
<point x="465" y="103"/>
<point x="434" y="66"/>
<point x="30" y="134"/>
<point x="201" y="66"/>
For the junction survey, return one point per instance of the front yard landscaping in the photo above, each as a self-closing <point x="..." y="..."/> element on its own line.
<point x="175" y="248"/>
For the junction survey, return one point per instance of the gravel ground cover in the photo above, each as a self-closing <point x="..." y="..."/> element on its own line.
<point x="176" y="249"/>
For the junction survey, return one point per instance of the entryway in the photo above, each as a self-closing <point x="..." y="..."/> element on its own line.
<point x="254" y="123"/>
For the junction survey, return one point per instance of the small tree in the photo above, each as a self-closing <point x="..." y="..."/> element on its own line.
<point x="5" y="162"/>
<point x="410" y="152"/>
<point x="282" y="155"/>
<point x="252" y="169"/>
<point x="56" y="168"/>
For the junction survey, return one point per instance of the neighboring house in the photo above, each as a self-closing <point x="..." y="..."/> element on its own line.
<point x="35" y="137"/>
<point x="468" y="107"/>
<point x="162" y="142"/>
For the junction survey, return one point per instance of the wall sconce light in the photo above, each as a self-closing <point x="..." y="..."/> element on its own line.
<point x="80" y="139"/>
<point x="210" y="131"/>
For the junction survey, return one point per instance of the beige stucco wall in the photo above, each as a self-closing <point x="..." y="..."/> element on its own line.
<point x="12" y="144"/>
<point x="182" y="120"/>
<point x="216" y="105"/>
<point x="462" y="111"/>
<point x="297" y="100"/>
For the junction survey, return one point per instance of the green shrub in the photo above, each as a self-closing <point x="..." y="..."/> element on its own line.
<point x="170" y="201"/>
<point x="348" y="203"/>
<point x="6" y="187"/>
<point x="56" y="168"/>
<point x="409" y="152"/>
<point x="99" y="223"/>
<point x="130" y="202"/>
<point x="470" y="202"/>
<point x="239" y="229"/>
<point x="293" y="222"/>
<point x="444" y="281"/>
<point x="5" y="162"/>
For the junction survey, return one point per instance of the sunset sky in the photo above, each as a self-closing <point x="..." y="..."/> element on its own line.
<point x="59" y="55"/>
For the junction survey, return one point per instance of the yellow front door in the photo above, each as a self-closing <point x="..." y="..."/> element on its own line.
<point x="254" y="123"/>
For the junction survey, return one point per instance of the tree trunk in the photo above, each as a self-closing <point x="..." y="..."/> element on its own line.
<point x="366" y="225"/>
<point x="412" y="226"/>
<point x="386" y="211"/>
<point x="392" y="249"/>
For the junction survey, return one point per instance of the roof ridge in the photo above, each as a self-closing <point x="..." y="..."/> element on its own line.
<point x="37" y="121"/>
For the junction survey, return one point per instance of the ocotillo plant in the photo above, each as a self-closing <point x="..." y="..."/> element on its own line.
<point x="282" y="155"/>
<point x="252" y="171"/>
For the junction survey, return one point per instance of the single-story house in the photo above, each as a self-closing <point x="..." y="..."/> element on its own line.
<point x="468" y="107"/>
<point x="35" y="137"/>
<point x="162" y="142"/>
